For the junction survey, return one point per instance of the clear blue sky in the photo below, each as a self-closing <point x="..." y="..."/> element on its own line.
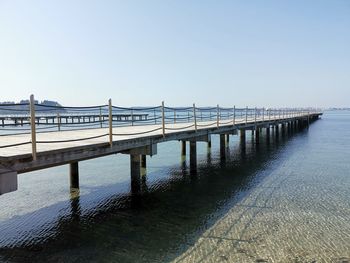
<point x="256" y="53"/>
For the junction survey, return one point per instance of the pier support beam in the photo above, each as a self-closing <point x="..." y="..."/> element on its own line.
<point x="227" y="138"/>
<point x="277" y="130"/>
<point x="74" y="175"/>
<point x="290" y="127"/>
<point x="242" y="134"/>
<point x="143" y="161"/>
<point x="222" y="146"/>
<point x="300" y="125"/>
<point x="138" y="159"/>
<point x="257" y="134"/>
<point x="193" y="157"/>
<point x="183" y="148"/>
<point x="8" y="181"/>
<point x="138" y="156"/>
<point x="209" y="144"/>
<point x="135" y="172"/>
<point x="283" y="129"/>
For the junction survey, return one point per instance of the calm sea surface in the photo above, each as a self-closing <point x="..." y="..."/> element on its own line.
<point x="287" y="200"/>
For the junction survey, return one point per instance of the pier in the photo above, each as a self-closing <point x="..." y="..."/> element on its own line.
<point x="58" y="119"/>
<point x="98" y="131"/>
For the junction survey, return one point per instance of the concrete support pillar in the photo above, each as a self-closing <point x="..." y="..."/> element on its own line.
<point x="8" y="181"/>
<point x="283" y="128"/>
<point x="227" y="138"/>
<point x="242" y="134"/>
<point x="268" y="134"/>
<point x="209" y="144"/>
<point x="277" y="130"/>
<point x="143" y="161"/>
<point x="183" y="147"/>
<point x="193" y="156"/>
<point x="222" y="146"/>
<point x="257" y="134"/>
<point x="74" y="175"/>
<point x="135" y="172"/>
<point x="300" y="124"/>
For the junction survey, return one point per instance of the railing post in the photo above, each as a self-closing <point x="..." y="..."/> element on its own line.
<point x="195" y="117"/>
<point x="163" y="119"/>
<point x="32" y="126"/>
<point x="263" y="113"/>
<point x="269" y="113"/>
<point x="217" y="116"/>
<point x="255" y="116"/>
<point x="234" y="114"/>
<point x="110" y="122"/>
<point x="246" y="115"/>
<point x="58" y="121"/>
<point x="132" y="117"/>
<point x="99" y="117"/>
<point x="154" y="116"/>
<point x="174" y="115"/>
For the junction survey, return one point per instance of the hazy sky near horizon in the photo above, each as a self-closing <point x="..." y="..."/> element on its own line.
<point x="256" y="53"/>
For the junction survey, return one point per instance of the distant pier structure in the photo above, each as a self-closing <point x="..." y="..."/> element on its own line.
<point x="33" y="139"/>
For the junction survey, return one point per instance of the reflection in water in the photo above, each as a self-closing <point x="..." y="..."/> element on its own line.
<point x="221" y="213"/>
<point x="144" y="186"/>
<point x="75" y="205"/>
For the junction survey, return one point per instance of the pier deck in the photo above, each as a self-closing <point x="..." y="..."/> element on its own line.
<point x="48" y="142"/>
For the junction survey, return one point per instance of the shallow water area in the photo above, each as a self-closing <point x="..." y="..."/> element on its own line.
<point x="286" y="199"/>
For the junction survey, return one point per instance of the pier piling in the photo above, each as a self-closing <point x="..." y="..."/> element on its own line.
<point x="8" y="181"/>
<point x="242" y="134"/>
<point x="143" y="161"/>
<point x="257" y="134"/>
<point x="183" y="148"/>
<point x="193" y="156"/>
<point x="135" y="172"/>
<point x="222" y="146"/>
<point x="74" y="175"/>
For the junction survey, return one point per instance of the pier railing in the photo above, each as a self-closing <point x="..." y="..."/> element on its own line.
<point x="32" y="118"/>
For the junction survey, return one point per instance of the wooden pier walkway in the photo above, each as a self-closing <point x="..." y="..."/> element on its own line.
<point x="35" y="150"/>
